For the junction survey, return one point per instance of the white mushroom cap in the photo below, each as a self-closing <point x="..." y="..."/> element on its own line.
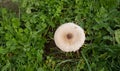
<point x="69" y="37"/>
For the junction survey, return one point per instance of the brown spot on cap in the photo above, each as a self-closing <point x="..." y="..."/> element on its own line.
<point x="69" y="36"/>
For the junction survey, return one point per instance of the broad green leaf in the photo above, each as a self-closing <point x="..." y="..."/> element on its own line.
<point x="5" y="67"/>
<point x="15" y="22"/>
<point x="3" y="51"/>
<point x="117" y="36"/>
<point x="28" y="11"/>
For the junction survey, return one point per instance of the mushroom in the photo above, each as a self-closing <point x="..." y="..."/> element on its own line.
<point x="69" y="37"/>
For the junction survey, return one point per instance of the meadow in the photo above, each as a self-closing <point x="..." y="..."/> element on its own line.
<point x="27" y="30"/>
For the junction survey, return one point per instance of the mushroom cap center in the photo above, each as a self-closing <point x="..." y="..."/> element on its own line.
<point x="69" y="36"/>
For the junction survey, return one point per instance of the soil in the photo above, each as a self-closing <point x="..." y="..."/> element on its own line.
<point x="9" y="5"/>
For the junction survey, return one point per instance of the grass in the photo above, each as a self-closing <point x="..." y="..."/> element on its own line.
<point x="26" y="35"/>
